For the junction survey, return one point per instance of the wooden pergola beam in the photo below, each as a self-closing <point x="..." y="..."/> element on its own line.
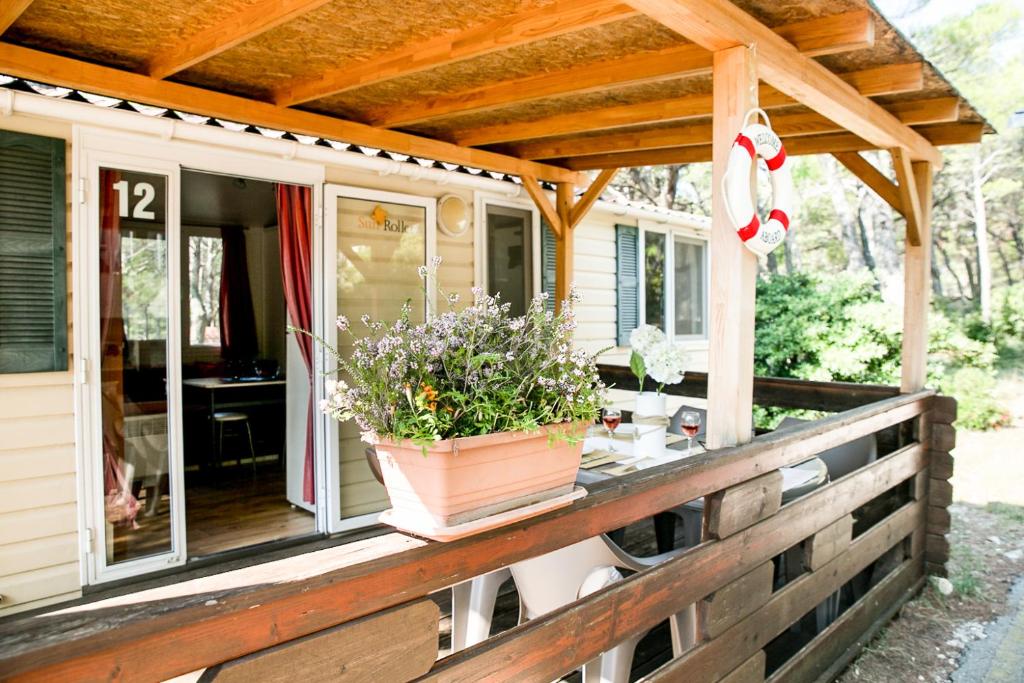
<point x="547" y="209"/>
<point x="593" y="193"/>
<point x="795" y="146"/>
<point x="225" y="34"/>
<point x="786" y="125"/>
<point x="719" y="24"/>
<point x="10" y="10"/>
<point x="872" y="177"/>
<point x="826" y="35"/>
<point x="532" y="25"/>
<point x="935" y="110"/>
<point x="48" y="68"/>
<point x="909" y="198"/>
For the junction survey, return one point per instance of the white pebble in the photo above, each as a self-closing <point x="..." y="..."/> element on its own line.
<point x="943" y="585"/>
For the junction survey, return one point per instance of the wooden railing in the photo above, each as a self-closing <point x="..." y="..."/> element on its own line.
<point x="361" y="609"/>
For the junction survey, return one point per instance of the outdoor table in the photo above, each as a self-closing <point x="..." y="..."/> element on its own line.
<point x="597" y="466"/>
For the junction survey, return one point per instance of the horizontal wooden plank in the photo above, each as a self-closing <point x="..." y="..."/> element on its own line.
<point x="936" y="547"/>
<point x="714" y="658"/>
<point x="336" y="585"/>
<point x="37" y="584"/>
<point x="728" y="605"/>
<point x="398" y="644"/>
<point x="943" y="437"/>
<point x="738" y="507"/>
<point x="38" y="522"/>
<point x="943" y="410"/>
<point x="827" y="544"/>
<point x="940" y="493"/>
<point x="939" y="519"/>
<point x="34" y="432"/>
<point x="832" y="649"/>
<point x="36" y="401"/>
<point x="750" y="671"/>
<point x="37" y="553"/>
<point x="72" y="73"/>
<point x="25" y="494"/>
<point x="769" y="391"/>
<point x="44" y="461"/>
<point x="564" y="639"/>
<point x="942" y="464"/>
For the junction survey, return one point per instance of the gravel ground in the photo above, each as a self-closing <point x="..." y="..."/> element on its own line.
<point x="935" y="635"/>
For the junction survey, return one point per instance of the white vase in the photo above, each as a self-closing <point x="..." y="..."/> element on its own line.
<point x="650" y="403"/>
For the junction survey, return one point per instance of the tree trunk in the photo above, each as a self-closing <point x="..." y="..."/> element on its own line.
<point x="882" y="234"/>
<point x="849" y="232"/>
<point x="981" y="238"/>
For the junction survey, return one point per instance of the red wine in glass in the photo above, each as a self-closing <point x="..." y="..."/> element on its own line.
<point x="611" y="419"/>
<point x="690" y="423"/>
<point x="612" y="422"/>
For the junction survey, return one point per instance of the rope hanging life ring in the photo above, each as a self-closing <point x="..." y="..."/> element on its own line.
<point x="754" y="140"/>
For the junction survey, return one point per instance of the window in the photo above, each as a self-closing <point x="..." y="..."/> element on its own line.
<point x="33" y="291"/>
<point x="205" y="254"/>
<point x="510" y="256"/>
<point x="144" y="284"/>
<point x="675" y="291"/>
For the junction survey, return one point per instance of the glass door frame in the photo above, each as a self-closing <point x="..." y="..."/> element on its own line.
<point x="89" y="360"/>
<point x="95" y="147"/>
<point x="329" y="296"/>
<point x="481" y="201"/>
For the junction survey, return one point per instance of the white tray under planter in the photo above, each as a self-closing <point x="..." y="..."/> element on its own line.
<point x="470" y="484"/>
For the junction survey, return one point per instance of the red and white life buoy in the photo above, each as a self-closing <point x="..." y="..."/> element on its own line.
<point x="758" y="140"/>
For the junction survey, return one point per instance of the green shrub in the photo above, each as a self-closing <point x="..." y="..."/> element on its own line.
<point x="838" y="329"/>
<point x="973" y="389"/>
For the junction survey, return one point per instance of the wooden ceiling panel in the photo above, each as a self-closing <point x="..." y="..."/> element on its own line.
<point x="612" y="42"/>
<point x="120" y="33"/>
<point x="341" y="32"/>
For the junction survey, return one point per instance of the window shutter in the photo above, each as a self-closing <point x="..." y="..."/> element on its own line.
<point x="627" y="282"/>
<point x="547" y="264"/>
<point x="33" y="291"/>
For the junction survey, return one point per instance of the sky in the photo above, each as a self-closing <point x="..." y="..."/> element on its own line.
<point x="932" y="12"/>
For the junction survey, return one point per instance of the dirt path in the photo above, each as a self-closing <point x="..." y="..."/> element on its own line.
<point x="936" y="638"/>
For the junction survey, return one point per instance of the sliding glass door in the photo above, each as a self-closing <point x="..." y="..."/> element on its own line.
<point x="136" y="521"/>
<point x="373" y="244"/>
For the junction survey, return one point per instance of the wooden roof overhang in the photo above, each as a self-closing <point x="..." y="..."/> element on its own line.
<point x="536" y="88"/>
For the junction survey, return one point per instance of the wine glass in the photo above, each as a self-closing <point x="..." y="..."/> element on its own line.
<point x="689" y="421"/>
<point x="611" y="419"/>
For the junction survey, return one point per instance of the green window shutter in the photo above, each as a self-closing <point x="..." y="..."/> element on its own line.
<point x="627" y="281"/>
<point x="547" y="263"/>
<point x="33" y="291"/>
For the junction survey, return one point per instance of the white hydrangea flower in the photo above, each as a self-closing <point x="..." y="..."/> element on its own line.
<point x="666" y="363"/>
<point x="644" y="338"/>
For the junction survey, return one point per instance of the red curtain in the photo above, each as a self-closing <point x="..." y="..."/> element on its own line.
<point x="293" y="219"/>
<point x="121" y="505"/>
<point x="237" y="321"/>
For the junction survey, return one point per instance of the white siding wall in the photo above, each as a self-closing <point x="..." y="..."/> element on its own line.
<point x="38" y="491"/>
<point x="38" y="515"/>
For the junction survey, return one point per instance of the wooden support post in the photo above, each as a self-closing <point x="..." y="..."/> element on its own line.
<point x="564" y="243"/>
<point x="917" y="285"/>
<point x="941" y="439"/>
<point x="733" y="266"/>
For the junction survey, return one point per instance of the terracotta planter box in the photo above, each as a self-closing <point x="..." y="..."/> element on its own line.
<point x="469" y="478"/>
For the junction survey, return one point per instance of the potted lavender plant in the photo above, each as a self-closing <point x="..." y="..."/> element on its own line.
<point x="474" y="413"/>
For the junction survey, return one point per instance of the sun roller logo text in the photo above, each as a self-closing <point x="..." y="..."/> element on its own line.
<point x="380" y="220"/>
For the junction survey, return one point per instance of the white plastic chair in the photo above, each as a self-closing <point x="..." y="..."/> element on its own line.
<point x="556" y="579"/>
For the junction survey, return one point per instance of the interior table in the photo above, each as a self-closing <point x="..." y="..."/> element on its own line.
<point x="226" y="393"/>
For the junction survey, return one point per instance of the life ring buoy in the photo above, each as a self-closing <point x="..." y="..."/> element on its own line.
<point x="755" y="140"/>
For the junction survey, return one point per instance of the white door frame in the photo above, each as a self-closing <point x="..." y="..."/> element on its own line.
<point x="91" y="148"/>
<point x="332" y="193"/>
